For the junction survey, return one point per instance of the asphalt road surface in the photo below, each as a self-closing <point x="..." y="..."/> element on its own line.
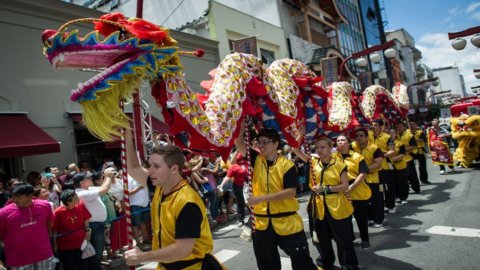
<point x="437" y="229"/>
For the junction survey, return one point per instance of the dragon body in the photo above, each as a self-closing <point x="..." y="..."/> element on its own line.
<point x="286" y="96"/>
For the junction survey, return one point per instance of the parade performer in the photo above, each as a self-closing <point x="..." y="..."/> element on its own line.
<point x="277" y="223"/>
<point x="182" y="238"/>
<point x="410" y="144"/>
<point x="331" y="209"/>
<point x="358" y="191"/>
<point x="398" y="184"/>
<point x="438" y="145"/>
<point x="466" y="130"/>
<point x="374" y="158"/>
<point x="419" y="152"/>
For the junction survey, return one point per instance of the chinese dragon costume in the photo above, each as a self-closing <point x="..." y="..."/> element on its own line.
<point x="286" y="96"/>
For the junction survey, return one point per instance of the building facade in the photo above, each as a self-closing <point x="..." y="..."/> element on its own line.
<point x="374" y="33"/>
<point x="226" y="25"/>
<point x="450" y="79"/>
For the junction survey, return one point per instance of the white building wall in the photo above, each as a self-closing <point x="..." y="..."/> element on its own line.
<point x="226" y="23"/>
<point x="449" y="79"/>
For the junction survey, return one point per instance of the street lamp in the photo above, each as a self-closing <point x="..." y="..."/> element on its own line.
<point x="376" y="58"/>
<point x="459" y="43"/>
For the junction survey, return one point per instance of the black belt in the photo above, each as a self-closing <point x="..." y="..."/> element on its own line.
<point x="276" y="215"/>
<point x="178" y="265"/>
<point x="326" y="192"/>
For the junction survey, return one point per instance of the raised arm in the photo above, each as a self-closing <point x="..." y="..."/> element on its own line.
<point x="109" y="175"/>
<point x="240" y="141"/>
<point x="300" y="154"/>
<point x="134" y="168"/>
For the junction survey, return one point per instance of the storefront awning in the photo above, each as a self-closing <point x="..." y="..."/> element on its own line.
<point x="19" y="137"/>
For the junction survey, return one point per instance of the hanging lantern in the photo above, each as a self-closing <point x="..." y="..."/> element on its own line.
<point x="459" y="44"/>
<point x="361" y="62"/>
<point x="476" y="40"/>
<point x="375" y="58"/>
<point x="390" y="52"/>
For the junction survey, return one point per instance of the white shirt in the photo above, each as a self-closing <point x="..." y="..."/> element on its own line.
<point x="94" y="204"/>
<point x="141" y="197"/>
<point x="116" y="189"/>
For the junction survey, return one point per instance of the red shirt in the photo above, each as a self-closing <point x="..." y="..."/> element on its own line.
<point x="238" y="173"/>
<point x="70" y="226"/>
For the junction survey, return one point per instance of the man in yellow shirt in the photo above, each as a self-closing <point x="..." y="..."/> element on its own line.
<point x="277" y="223"/>
<point x="419" y="153"/>
<point x="181" y="233"/>
<point x="410" y="143"/>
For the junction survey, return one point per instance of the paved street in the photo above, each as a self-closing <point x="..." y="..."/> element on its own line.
<point x="430" y="232"/>
<point x="404" y="242"/>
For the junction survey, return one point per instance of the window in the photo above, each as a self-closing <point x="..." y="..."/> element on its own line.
<point x="267" y="56"/>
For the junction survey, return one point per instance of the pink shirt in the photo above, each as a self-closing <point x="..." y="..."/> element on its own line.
<point x="24" y="233"/>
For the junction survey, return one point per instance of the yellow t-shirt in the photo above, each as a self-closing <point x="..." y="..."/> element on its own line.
<point x="165" y="210"/>
<point x="337" y="203"/>
<point x="267" y="180"/>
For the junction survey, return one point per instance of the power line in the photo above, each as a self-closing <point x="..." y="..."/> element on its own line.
<point x="172" y="12"/>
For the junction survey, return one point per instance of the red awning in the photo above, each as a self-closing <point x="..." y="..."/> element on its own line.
<point x="19" y="137"/>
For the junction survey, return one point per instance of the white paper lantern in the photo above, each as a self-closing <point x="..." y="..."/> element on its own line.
<point x="361" y="62"/>
<point x="375" y="57"/>
<point x="459" y="44"/>
<point x="476" y="40"/>
<point x="390" y="52"/>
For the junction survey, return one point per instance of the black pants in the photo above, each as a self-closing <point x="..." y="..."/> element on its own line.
<point x="360" y="213"/>
<point x="340" y="231"/>
<point x="376" y="204"/>
<point x="422" y="167"/>
<point x="442" y="167"/>
<point x="71" y="259"/>
<point x="266" y="243"/>
<point x="412" y="176"/>
<point x="238" y="192"/>
<point x="401" y="184"/>
<point x="390" y="187"/>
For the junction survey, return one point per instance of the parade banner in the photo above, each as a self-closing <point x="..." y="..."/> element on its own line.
<point x="365" y="79"/>
<point x="245" y="45"/>
<point x="439" y="149"/>
<point x="329" y="68"/>
<point x="385" y="82"/>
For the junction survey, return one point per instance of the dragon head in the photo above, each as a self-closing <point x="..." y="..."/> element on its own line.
<point x="124" y="51"/>
<point x="465" y="126"/>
